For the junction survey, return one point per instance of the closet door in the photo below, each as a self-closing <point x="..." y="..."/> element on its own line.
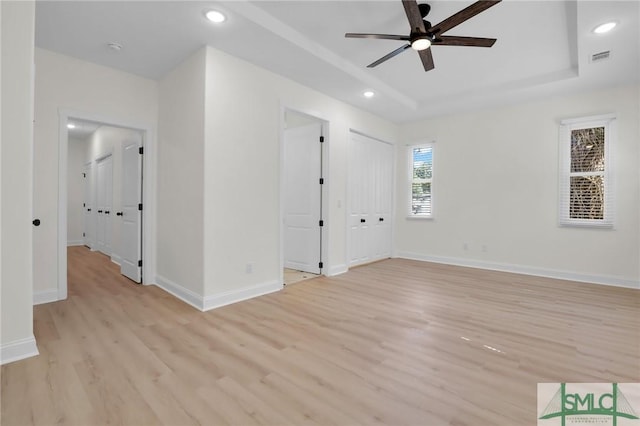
<point x="370" y="199"/>
<point x="382" y="199"/>
<point x="104" y="203"/>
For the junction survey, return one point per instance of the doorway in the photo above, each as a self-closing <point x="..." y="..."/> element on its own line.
<point x="302" y="175"/>
<point x="109" y="198"/>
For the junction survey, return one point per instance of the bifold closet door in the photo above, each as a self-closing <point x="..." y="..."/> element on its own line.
<point x="370" y="199"/>
<point x="104" y="204"/>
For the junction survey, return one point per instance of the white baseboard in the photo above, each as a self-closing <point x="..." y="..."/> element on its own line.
<point x="521" y="269"/>
<point x="216" y="300"/>
<point x="116" y="259"/>
<point x="75" y="243"/>
<point x="233" y="296"/>
<point x="337" y="270"/>
<point x="18" y="349"/>
<point x="46" y="296"/>
<point x="180" y="292"/>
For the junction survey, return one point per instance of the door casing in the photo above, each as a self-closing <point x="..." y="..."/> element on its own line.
<point x="149" y="198"/>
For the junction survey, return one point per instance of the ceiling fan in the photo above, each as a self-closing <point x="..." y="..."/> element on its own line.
<point x="423" y="35"/>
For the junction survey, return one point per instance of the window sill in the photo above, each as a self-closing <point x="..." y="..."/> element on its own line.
<point x="416" y="217"/>
<point x="581" y="224"/>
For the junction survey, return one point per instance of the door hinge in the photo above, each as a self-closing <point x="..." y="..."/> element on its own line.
<point x="83" y="234"/>
<point x="140" y="150"/>
<point x="321" y="139"/>
<point x="140" y="263"/>
<point x="320" y="265"/>
<point x="321" y="222"/>
<point x="84" y="175"/>
<point x="321" y="181"/>
<point x="84" y="205"/>
<point x="140" y="206"/>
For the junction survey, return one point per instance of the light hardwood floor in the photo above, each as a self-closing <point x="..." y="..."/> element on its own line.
<point x="397" y="342"/>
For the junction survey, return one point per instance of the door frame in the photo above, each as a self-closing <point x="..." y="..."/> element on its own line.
<point x="393" y="193"/>
<point x="324" y="192"/>
<point x="148" y="191"/>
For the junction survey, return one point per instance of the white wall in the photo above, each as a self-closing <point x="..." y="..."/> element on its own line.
<point x="181" y="179"/>
<point x="65" y="83"/>
<point x="75" y="191"/>
<point x="242" y="171"/>
<point x="104" y="141"/>
<point x="16" y="317"/>
<point x="496" y="185"/>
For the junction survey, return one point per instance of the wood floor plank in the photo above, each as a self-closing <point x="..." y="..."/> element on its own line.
<point x="397" y="342"/>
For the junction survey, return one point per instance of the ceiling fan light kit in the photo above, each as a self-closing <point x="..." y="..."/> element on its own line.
<point x="423" y="35"/>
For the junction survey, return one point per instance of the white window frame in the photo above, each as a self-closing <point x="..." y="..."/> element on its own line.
<point x="566" y="127"/>
<point x="410" y="148"/>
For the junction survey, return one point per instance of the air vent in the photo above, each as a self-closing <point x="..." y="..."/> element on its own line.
<point x="601" y="56"/>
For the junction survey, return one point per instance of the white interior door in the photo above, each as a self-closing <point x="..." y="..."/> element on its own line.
<point x="359" y="200"/>
<point x="370" y="199"/>
<point x="131" y="215"/>
<point x="88" y="230"/>
<point x="302" y="198"/>
<point x="382" y="197"/>
<point x="104" y="202"/>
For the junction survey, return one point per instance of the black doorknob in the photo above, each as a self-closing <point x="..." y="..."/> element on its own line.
<point x="88" y="210"/>
<point x="381" y="219"/>
<point x="106" y="212"/>
<point x="36" y="222"/>
<point x="362" y="221"/>
<point x="99" y="211"/>
<point x="119" y="214"/>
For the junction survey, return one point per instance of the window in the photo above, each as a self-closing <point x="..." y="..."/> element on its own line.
<point x="586" y="196"/>
<point x="421" y="175"/>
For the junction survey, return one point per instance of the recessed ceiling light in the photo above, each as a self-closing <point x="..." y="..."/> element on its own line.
<point x="215" y="16"/>
<point x="71" y="126"/>
<point x="368" y="94"/>
<point x="605" y="28"/>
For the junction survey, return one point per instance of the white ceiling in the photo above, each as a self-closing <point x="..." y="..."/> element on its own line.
<point x="543" y="47"/>
<point x="83" y="128"/>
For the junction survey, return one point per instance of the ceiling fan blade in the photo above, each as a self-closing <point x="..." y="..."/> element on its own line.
<point x="465" y="14"/>
<point x="389" y="56"/>
<point x="413" y="15"/>
<point x="427" y="59"/>
<point x="464" y="41"/>
<point x="377" y="36"/>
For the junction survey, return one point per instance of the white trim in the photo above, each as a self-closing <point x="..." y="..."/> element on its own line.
<point x="184" y="294"/>
<point x="18" y="349"/>
<point x="216" y="300"/>
<point x="337" y="270"/>
<point x="148" y="191"/>
<point x="74" y="243"/>
<point x="46" y="296"/>
<point x="580" y="120"/>
<point x="522" y="269"/>
<point x="116" y="259"/>
<point x="233" y="296"/>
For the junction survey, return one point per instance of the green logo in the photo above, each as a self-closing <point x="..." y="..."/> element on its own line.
<point x="586" y="404"/>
